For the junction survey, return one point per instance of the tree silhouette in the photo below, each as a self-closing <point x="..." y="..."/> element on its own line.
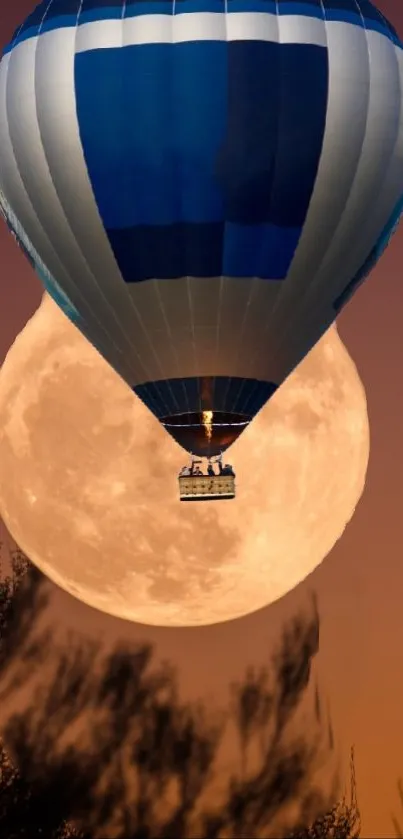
<point x="395" y="820"/>
<point x="341" y="821"/>
<point x="146" y="764"/>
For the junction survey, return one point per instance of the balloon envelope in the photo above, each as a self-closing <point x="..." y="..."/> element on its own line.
<point x="202" y="185"/>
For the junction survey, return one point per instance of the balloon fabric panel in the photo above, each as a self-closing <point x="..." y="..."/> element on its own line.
<point x="192" y="181"/>
<point x="190" y="166"/>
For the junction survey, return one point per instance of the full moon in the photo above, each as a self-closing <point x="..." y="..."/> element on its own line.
<point x="89" y="490"/>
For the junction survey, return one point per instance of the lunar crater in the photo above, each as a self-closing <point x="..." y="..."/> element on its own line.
<point x="88" y="483"/>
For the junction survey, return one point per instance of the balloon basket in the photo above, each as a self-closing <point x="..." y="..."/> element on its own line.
<point x="197" y="485"/>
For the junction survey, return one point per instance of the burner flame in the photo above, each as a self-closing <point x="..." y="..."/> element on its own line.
<point x="208" y="423"/>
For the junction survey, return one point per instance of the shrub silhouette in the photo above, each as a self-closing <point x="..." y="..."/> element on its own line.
<point x="395" y="820"/>
<point x="145" y="768"/>
<point x="341" y="821"/>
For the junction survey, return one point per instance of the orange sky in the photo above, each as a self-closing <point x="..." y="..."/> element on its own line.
<point x="359" y="585"/>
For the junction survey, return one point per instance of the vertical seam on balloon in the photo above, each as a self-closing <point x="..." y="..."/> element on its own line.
<point x="189" y="294"/>
<point x="242" y="330"/>
<point x="301" y="299"/>
<point x="218" y="322"/>
<point x="221" y="278"/>
<point x="173" y="347"/>
<point x="44" y="16"/>
<point x="399" y="76"/>
<point x="279" y="111"/>
<point x="50" y="174"/>
<point x="98" y="290"/>
<point x="112" y="342"/>
<point x="357" y="4"/>
<point x="283" y="287"/>
<point x="16" y="34"/>
<point x="127" y="340"/>
<point x="366" y="124"/>
<point x="129" y="296"/>
<point x="27" y="196"/>
<point x="166" y="319"/>
<point x="250" y="398"/>
<point x="188" y="285"/>
<point x="131" y="303"/>
<point x="256" y="282"/>
<point x="41" y="24"/>
<point x="306" y="296"/>
<point x="79" y="10"/>
<point x="385" y="177"/>
<point x="156" y="281"/>
<point x="123" y="16"/>
<point x="93" y="320"/>
<point x="391" y="163"/>
<point x="226" y="282"/>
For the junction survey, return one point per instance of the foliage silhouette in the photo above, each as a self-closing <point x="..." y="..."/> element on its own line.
<point x="146" y="765"/>
<point x="22" y="600"/>
<point x="395" y="820"/>
<point x="341" y="821"/>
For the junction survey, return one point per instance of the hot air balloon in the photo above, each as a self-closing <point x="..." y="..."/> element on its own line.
<point x="202" y="185"/>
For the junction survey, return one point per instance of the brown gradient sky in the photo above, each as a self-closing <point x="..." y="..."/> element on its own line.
<point x="360" y="584"/>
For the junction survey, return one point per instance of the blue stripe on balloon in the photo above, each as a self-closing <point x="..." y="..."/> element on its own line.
<point x="267" y="6"/>
<point x="143" y="7"/>
<point x="168" y="251"/>
<point x="154" y="7"/>
<point x="346" y="5"/>
<point x="375" y="21"/>
<point x="25" y="35"/>
<point x="232" y="395"/>
<point x="304" y="9"/>
<point x="113" y="13"/>
<point x="213" y="153"/>
<point x="376" y="26"/>
<point x="59" y="15"/>
<point x="36" y="16"/>
<point x="161" y="134"/>
<point x="367" y="8"/>
<point x="60" y="22"/>
<point x="189" y="6"/>
<point x="264" y="250"/>
<point x="245" y="165"/>
<point x="303" y="87"/>
<point x="72" y="7"/>
<point x="344" y="16"/>
<point x="277" y="103"/>
<point x="204" y="250"/>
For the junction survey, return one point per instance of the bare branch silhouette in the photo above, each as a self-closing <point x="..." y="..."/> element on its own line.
<point x="395" y="821"/>
<point x="107" y="747"/>
<point x="341" y="821"/>
<point x="22" y="600"/>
